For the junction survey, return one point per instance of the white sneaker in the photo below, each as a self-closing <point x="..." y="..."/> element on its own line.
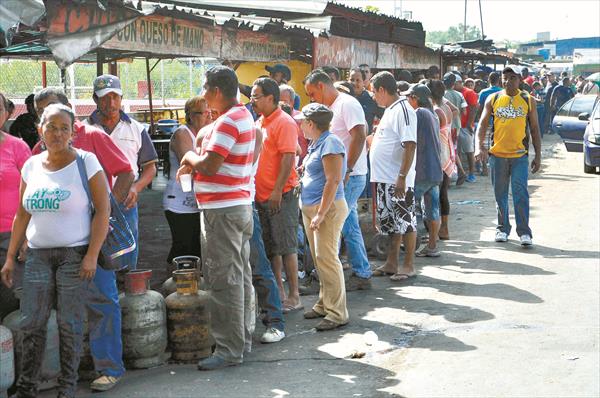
<point x="501" y="237"/>
<point x="526" y="240"/>
<point x="272" y="335"/>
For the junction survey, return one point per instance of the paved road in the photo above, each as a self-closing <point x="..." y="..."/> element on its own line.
<point x="485" y="319"/>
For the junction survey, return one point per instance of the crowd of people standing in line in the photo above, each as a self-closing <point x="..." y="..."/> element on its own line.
<point x="265" y="174"/>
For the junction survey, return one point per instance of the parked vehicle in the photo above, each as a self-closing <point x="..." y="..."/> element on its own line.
<point x="591" y="140"/>
<point x="568" y="124"/>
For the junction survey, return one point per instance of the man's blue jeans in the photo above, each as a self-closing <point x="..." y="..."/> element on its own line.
<point x="355" y="245"/>
<point x="263" y="279"/>
<point x="131" y="215"/>
<point x="513" y="171"/>
<point x="104" y="324"/>
<point x="104" y="312"/>
<point x="541" y="111"/>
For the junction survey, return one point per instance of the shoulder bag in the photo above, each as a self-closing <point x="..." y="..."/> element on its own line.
<point x="119" y="247"/>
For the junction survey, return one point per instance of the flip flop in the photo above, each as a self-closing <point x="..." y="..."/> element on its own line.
<point x="381" y="272"/>
<point x="402" y="277"/>
<point x="287" y="308"/>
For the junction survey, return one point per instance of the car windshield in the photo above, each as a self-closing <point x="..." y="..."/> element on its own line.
<point x="596" y="115"/>
<point x="582" y="104"/>
<point x="564" y="110"/>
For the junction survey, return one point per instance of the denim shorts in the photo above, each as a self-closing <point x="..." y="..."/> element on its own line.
<point x="466" y="141"/>
<point x="430" y="193"/>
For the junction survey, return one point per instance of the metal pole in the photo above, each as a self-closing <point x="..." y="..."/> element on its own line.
<point x="162" y="80"/>
<point x="72" y="80"/>
<point x="63" y="79"/>
<point x="149" y="82"/>
<point x="465" y="23"/>
<point x="191" y="81"/>
<point x="481" y="19"/>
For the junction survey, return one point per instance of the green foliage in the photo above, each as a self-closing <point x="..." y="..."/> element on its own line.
<point x="374" y="9"/>
<point x="19" y="78"/>
<point x="453" y="34"/>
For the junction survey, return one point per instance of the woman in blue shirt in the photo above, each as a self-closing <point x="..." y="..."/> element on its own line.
<point x="324" y="211"/>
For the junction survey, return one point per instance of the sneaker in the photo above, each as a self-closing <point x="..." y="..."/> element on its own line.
<point x="501" y="237"/>
<point x="104" y="383"/>
<point x="356" y="283"/>
<point x="272" y="335"/>
<point x="471" y="178"/>
<point x="526" y="240"/>
<point x="427" y="252"/>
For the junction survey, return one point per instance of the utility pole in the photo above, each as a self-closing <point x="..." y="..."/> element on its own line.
<point x="465" y="23"/>
<point x="481" y="19"/>
<point x="398" y="6"/>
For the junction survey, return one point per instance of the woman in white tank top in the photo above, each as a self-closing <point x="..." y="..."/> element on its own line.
<point x="181" y="209"/>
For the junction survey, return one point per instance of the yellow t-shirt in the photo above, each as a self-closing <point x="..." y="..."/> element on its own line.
<point x="510" y="138"/>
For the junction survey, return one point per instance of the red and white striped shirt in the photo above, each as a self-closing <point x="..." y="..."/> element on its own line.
<point x="232" y="137"/>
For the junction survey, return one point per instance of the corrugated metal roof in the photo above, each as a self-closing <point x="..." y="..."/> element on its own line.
<point x="313" y="7"/>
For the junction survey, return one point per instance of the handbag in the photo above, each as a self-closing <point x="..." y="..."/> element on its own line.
<point x="118" y="249"/>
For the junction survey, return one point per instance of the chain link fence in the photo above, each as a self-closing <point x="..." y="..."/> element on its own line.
<point x="170" y="79"/>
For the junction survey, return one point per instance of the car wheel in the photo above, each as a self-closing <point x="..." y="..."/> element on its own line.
<point x="380" y="245"/>
<point x="588" y="169"/>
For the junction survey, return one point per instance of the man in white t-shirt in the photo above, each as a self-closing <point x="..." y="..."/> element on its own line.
<point x="350" y="125"/>
<point x="393" y="163"/>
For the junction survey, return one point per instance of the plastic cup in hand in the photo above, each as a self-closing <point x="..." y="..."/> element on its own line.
<point x="186" y="182"/>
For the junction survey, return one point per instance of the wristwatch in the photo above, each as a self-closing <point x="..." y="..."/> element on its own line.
<point x="349" y="170"/>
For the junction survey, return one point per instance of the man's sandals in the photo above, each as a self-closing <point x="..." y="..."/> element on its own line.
<point x="394" y="276"/>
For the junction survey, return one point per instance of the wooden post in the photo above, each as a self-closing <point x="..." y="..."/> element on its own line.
<point x="112" y="68"/>
<point x="99" y="62"/>
<point x="44" y="75"/>
<point x="149" y="82"/>
<point x="314" y="53"/>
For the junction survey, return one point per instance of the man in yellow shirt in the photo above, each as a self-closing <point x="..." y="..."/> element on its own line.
<point x="514" y="119"/>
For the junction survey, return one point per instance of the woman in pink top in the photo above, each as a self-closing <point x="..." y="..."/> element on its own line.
<point x="13" y="154"/>
<point x="444" y="112"/>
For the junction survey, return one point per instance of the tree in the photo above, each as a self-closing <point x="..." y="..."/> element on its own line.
<point x="374" y="9"/>
<point x="453" y="34"/>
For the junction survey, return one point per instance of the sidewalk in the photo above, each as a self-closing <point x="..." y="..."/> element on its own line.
<point x="482" y="320"/>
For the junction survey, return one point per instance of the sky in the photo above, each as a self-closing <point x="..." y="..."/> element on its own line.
<point x="514" y="20"/>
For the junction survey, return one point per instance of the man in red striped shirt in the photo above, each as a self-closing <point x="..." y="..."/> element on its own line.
<point x="222" y="175"/>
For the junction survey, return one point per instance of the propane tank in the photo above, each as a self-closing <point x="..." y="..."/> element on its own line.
<point x="144" y="322"/>
<point x="178" y="263"/>
<point x="51" y="362"/>
<point x="7" y="360"/>
<point x="188" y="319"/>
